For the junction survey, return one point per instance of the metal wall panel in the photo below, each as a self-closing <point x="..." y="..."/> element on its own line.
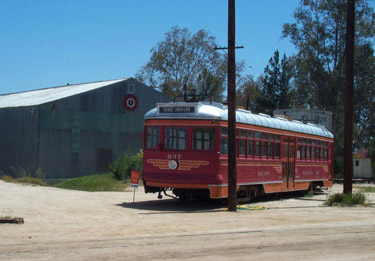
<point x="18" y="140"/>
<point x="55" y="155"/>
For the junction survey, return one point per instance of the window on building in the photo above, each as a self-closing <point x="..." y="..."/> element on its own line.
<point x="357" y="163"/>
<point x="175" y="138"/>
<point x="152" y="137"/>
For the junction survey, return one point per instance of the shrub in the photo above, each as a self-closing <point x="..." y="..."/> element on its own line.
<point x="123" y="165"/>
<point x="337" y="169"/>
<point x="103" y="182"/>
<point x="340" y="199"/>
<point x="355" y="199"/>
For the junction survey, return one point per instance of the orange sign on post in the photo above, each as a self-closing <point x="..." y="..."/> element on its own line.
<point x="134" y="179"/>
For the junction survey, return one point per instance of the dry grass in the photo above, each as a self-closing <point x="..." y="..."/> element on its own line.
<point x="24" y="180"/>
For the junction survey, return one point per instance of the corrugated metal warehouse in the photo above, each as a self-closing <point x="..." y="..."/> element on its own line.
<point x="73" y="130"/>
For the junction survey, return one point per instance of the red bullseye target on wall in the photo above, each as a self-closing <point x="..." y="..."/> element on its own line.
<point x="130" y="102"/>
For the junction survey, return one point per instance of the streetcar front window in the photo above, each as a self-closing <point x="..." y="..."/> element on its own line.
<point x="175" y="138"/>
<point x="152" y="137"/>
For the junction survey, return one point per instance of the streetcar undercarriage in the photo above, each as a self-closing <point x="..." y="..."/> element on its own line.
<point x="245" y="193"/>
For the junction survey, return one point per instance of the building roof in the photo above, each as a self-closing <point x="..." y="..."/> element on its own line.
<point x="217" y="111"/>
<point x="41" y="96"/>
<point x="361" y="153"/>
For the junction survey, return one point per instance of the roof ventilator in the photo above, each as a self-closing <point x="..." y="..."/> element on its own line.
<point x="244" y="111"/>
<point x="264" y="115"/>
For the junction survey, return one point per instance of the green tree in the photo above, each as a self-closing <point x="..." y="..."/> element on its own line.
<point x="364" y="109"/>
<point x="247" y="93"/>
<point x="318" y="34"/>
<point x="182" y="58"/>
<point x="275" y="85"/>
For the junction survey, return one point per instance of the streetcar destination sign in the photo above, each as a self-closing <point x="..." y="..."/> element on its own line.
<point x="177" y="109"/>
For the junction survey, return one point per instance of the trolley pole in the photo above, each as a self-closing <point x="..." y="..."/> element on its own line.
<point x="349" y="62"/>
<point x="232" y="172"/>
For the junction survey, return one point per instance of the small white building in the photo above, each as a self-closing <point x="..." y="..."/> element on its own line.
<point x="308" y="116"/>
<point x="362" y="168"/>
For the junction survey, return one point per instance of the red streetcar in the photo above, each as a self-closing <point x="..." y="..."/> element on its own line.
<point x="186" y="152"/>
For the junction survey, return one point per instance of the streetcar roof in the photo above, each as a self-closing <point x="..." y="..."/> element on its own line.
<point x="217" y="111"/>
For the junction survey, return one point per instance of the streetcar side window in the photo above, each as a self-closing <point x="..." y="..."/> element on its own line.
<point x="257" y="144"/>
<point x="277" y="146"/>
<point x="317" y="150"/>
<point x="313" y="150"/>
<point x="224" y="141"/>
<point x="242" y="148"/>
<point x="203" y="138"/>
<point x="250" y="144"/>
<point x="224" y="145"/>
<point x="308" y="150"/>
<point x="270" y="149"/>
<point x="152" y="137"/>
<point x="277" y="150"/>
<point x="175" y="138"/>
<point x="264" y="144"/>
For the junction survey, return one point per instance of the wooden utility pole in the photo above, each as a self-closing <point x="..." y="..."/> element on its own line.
<point x="349" y="73"/>
<point x="232" y="169"/>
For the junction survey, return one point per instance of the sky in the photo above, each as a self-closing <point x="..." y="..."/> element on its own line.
<point x="47" y="43"/>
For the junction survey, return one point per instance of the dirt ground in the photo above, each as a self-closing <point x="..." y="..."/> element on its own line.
<point x="75" y="225"/>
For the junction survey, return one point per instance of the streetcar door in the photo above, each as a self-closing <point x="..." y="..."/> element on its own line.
<point x="288" y="161"/>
